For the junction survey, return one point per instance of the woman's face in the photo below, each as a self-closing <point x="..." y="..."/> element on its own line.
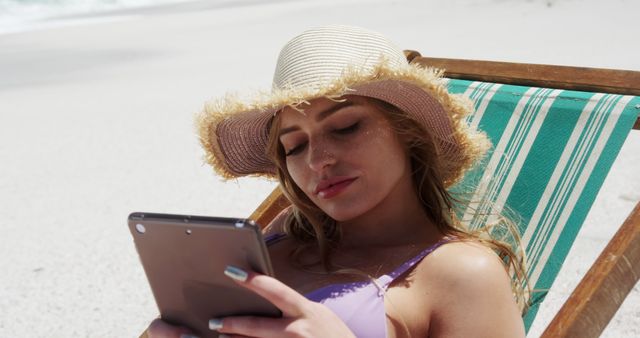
<point x="343" y="155"/>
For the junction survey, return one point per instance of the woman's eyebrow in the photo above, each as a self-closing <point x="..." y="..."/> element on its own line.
<point x="321" y="116"/>
<point x="287" y="130"/>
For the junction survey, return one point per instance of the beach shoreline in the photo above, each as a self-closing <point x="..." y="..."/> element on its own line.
<point x="97" y="122"/>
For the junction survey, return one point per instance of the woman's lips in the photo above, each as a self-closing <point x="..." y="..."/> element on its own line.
<point x="333" y="186"/>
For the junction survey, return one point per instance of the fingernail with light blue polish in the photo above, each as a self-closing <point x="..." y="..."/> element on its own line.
<point x="236" y="273"/>
<point x="186" y="335"/>
<point x="215" y="324"/>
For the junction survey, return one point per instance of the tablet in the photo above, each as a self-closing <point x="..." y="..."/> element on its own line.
<point x="184" y="258"/>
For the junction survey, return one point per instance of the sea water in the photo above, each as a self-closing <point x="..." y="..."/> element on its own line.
<point x="22" y="15"/>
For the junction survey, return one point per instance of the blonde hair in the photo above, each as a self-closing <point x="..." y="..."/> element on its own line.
<point x="311" y="228"/>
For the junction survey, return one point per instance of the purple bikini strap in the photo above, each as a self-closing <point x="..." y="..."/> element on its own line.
<point x="274" y="238"/>
<point x="413" y="261"/>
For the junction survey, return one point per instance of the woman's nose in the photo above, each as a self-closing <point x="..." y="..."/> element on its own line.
<point x="320" y="155"/>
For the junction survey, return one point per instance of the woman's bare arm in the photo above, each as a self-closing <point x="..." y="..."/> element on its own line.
<point x="472" y="293"/>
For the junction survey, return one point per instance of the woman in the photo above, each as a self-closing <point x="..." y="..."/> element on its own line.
<point x="366" y="148"/>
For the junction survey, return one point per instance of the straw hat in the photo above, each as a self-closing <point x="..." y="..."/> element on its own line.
<point x="333" y="61"/>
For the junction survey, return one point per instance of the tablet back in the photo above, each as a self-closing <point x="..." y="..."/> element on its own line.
<point x="184" y="258"/>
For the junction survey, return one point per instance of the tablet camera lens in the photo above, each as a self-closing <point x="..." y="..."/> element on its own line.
<point x="140" y="228"/>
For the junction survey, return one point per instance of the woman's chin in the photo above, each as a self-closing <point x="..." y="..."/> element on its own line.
<point x="341" y="212"/>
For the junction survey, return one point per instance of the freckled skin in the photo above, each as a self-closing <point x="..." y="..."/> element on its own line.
<point x="383" y="224"/>
<point x="372" y="154"/>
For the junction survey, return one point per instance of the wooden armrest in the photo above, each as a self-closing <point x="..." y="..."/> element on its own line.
<point x="270" y="208"/>
<point x="614" y="81"/>
<point x="602" y="290"/>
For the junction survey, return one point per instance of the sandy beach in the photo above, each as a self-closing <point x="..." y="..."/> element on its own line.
<point x="96" y="121"/>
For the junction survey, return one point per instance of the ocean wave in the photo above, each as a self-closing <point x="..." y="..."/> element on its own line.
<point x="20" y="15"/>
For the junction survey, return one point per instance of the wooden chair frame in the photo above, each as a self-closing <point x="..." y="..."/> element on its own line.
<point x="604" y="287"/>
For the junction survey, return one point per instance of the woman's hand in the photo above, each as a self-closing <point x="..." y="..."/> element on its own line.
<point x="300" y="316"/>
<point x="161" y="329"/>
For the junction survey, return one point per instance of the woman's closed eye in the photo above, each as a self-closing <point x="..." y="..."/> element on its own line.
<point x="343" y="131"/>
<point x="348" y="129"/>
<point x="295" y="149"/>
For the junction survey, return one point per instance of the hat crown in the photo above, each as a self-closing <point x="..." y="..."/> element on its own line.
<point x="319" y="56"/>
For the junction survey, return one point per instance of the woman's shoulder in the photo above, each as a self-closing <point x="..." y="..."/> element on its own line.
<point x="459" y="258"/>
<point x="276" y="226"/>
<point x="279" y="244"/>
<point x="466" y="277"/>
<point x="456" y="263"/>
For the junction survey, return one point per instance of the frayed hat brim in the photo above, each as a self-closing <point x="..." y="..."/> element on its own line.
<point x="234" y="132"/>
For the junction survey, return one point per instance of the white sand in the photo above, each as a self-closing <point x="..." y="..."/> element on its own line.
<point x="96" y="122"/>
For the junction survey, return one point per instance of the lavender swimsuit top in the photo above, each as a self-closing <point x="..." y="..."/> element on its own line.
<point x="360" y="305"/>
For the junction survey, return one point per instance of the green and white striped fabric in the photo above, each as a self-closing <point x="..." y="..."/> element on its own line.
<point x="551" y="151"/>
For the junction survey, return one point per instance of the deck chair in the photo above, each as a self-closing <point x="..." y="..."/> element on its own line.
<point x="556" y="132"/>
